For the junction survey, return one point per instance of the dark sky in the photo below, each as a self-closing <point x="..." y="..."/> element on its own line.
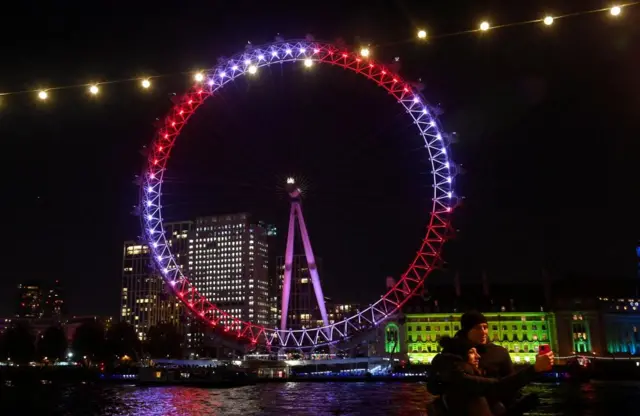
<point x="547" y="120"/>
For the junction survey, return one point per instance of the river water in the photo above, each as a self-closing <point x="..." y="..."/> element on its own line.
<point x="370" y="399"/>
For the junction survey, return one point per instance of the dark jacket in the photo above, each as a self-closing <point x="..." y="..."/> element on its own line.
<point x="454" y="374"/>
<point x="462" y="386"/>
<point x="495" y="360"/>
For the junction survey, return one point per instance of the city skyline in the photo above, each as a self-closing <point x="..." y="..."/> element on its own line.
<point x="467" y="172"/>
<point x="538" y="184"/>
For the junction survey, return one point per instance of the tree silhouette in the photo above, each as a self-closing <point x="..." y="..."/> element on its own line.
<point x="164" y="340"/>
<point x="53" y="344"/>
<point x="88" y="341"/>
<point x="18" y="344"/>
<point x="123" y="340"/>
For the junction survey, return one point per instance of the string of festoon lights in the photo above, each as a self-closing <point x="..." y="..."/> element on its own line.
<point x="422" y="35"/>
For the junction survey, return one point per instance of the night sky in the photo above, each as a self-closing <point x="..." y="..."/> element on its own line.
<point x="547" y="120"/>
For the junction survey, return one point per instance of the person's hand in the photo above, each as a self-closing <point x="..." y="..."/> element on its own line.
<point x="544" y="362"/>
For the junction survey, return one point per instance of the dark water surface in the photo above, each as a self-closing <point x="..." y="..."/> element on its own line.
<point x="291" y="399"/>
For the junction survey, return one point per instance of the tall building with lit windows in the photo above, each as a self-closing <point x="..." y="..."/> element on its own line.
<point x="146" y="300"/>
<point x="303" y="306"/>
<point x="171" y="309"/>
<point x="30" y="302"/>
<point x="140" y="288"/>
<point x="228" y="264"/>
<point x="54" y="304"/>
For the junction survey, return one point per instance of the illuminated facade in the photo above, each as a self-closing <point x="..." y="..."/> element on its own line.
<point x="274" y="296"/>
<point x="145" y="299"/>
<point x="392" y="336"/>
<point x="521" y="333"/>
<point x="228" y="264"/>
<point x="171" y="309"/>
<point x="339" y="311"/>
<point x="141" y="288"/>
<point x="579" y="332"/>
<point x="621" y="323"/>
<point x="54" y="305"/>
<point x="579" y="326"/>
<point x="30" y="303"/>
<point x="303" y="308"/>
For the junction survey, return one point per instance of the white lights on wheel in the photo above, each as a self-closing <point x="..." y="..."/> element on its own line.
<point x="247" y="63"/>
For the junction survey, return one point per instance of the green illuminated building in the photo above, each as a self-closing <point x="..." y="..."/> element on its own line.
<point x="583" y="323"/>
<point x="621" y="324"/>
<point x="392" y="338"/>
<point x="521" y="333"/>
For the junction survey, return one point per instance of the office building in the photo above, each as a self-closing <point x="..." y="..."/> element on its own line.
<point x="339" y="311"/>
<point x="54" y="303"/>
<point x="140" y="288"/>
<point x="30" y="303"/>
<point x="303" y="307"/>
<point x="171" y="309"/>
<point x="228" y="264"/>
<point x="146" y="299"/>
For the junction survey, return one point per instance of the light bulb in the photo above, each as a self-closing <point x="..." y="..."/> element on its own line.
<point x="548" y="20"/>
<point x="484" y="26"/>
<point x="422" y="34"/>
<point x="146" y="83"/>
<point x="93" y="89"/>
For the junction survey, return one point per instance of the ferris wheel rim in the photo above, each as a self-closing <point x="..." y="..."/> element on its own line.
<point x="248" y="63"/>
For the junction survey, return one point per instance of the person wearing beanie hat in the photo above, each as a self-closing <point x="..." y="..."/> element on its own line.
<point x="464" y="388"/>
<point x="494" y="380"/>
<point x="495" y="360"/>
<point x="465" y="350"/>
<point x="458" y="357"/>
<point x="473" y="325"/>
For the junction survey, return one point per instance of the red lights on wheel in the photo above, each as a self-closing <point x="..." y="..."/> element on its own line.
<point x="306" y="54"/>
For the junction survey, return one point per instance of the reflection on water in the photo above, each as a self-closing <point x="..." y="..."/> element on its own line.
<point x="293" y="399"/>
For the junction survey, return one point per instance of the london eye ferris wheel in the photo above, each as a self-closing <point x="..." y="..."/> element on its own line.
<point x="248" y="63"/>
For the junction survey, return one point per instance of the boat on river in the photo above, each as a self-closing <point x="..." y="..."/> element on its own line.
<point x="211" y="377"/>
